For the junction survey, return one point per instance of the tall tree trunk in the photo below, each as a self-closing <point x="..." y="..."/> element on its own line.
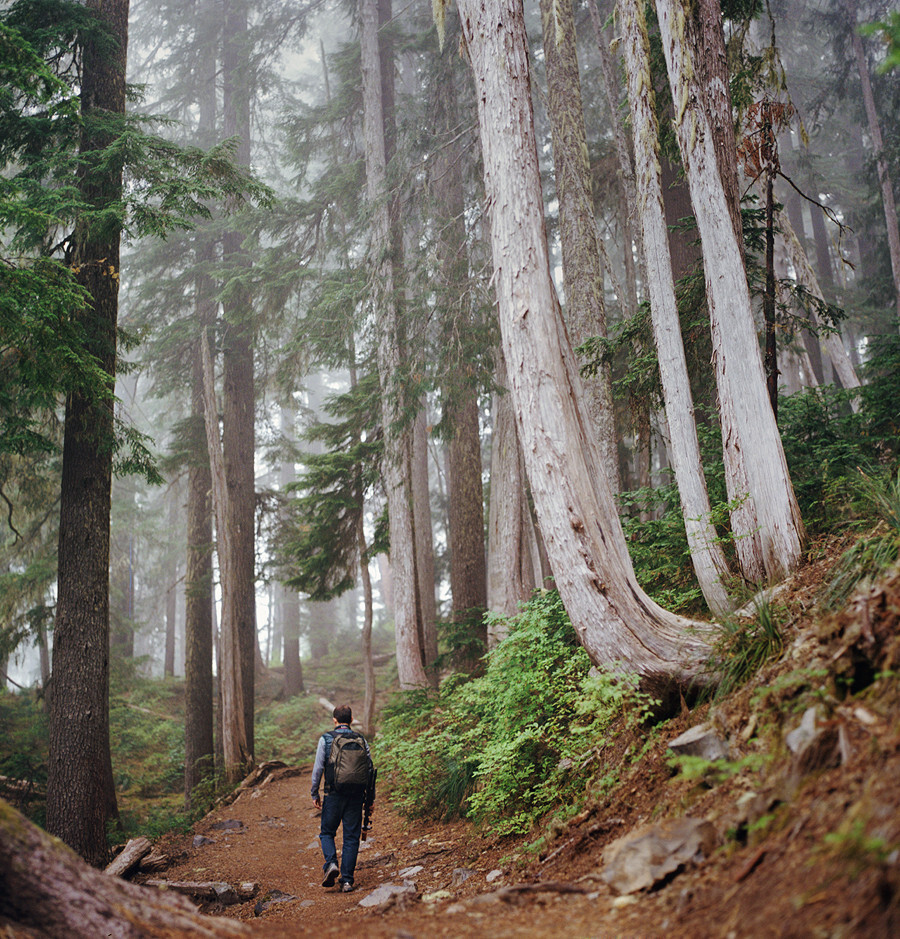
<point x="512" y="576"/>
<point x="811" y="341"/>
<point x="829" y="339"/>
<point x="427" y="617"/>
<point x="768" y="521"/>
<point x="80" y="797"/>
<point x="468" y="566"/>
<point x="585" y="310"/>
<point x="289" y="601"/>
<point x="397" y="469"/>
<point x="199" y="709"/>
<point x="368" y="715"/>
<point x="884" y="178"/>
<point x="198" y="588"/>
<point x="235" y="751"/>
<point x="172" y="578"/>
<point x="706" y="552"/>
<point x="238" y="432"/>
<point x="614" y="619"/>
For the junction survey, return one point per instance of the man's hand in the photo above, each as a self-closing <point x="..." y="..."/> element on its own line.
<point x="317" y="802"/>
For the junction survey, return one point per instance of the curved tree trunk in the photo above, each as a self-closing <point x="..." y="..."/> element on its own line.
<point x="45" y="887"/>
<point x="614" y="619"/>
<point x="706" y="553"/>
<point x="756" y="469"/>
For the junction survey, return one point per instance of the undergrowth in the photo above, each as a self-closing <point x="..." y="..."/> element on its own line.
<point x="527" y="736"/>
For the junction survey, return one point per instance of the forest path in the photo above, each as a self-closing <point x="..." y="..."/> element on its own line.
<point x="277" y="846"/>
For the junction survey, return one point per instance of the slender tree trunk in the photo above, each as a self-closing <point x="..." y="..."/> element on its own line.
<point x="625" y="175"/>
<point x="829" y="339"/>
<point x="235" y="751"/>
<point x="43" y="654"/>
<point x="706" y="553"/>
<point x="585" y="310"/>
<point x="511" y="562"/>
<point x="172" y="577"/>
<point x="368" y="715"/>
<point x="770" y="363"/>
<point x="614" y="619"/>
<point x="238" y="432"/>
<point x="199" y="707"/>
<point x="884" y="177"/>
<point x="289" y="605"/>
<point x="80" y="797"/>
<point x="198" y="595"/>
<point x="427" y="618"/>
<point x="769" y="519"/>
<point x="397" y="468"/>
<point x="468" y="565"/>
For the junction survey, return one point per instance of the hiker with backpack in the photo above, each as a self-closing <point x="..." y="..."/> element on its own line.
<point x="343" y="758"/>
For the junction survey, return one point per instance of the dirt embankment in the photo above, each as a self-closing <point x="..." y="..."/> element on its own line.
<point x="805" y="812"/>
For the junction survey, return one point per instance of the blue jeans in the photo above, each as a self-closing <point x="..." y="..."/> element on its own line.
<point x="340" y="809"/>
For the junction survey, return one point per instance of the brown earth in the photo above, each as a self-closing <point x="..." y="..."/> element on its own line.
<point x="813" y="850"/>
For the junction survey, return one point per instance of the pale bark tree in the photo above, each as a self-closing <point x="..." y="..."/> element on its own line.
<point x="706" y="552"/>
<point x="798" y="355"/>
<point x="829" y="339"/>
<point x="768" y="529"/>
<point x="235" y="748"/>
<point x="397" y="469"/>
<point x="585" y="309"/>
<point x="884" y="177"/>
<point x="614" y="619"/>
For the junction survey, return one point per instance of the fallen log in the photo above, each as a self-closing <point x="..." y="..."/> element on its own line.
<point x="46" y="887"/>
<point x="208" y="891"/>
<point x="154" y="863"/>
<point x="131" y="855"/>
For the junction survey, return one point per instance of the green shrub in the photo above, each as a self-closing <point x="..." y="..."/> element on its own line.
<point x="743" y="647"/>
<point x="873" y="554"/>
<point x="289" y="730"/>
<point x="504" y="748"/>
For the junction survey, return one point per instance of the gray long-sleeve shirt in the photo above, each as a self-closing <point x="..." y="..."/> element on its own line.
<point x="322" y="755"/>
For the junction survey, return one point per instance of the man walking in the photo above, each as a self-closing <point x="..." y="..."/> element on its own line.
<point x="343" y="757"/>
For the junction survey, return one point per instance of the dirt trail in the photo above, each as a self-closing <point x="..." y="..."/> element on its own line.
<point x="277" y="846"/>
<point x="792" y="883"/>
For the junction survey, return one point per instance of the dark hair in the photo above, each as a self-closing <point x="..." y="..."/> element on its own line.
<point x="343" y="714"/>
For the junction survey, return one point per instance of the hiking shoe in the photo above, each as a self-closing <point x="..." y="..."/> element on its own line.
<point x="331" y="875"/>
<point x="346" y="887"/>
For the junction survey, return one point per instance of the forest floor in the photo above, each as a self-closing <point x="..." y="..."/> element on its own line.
<point x="807" y="840"/>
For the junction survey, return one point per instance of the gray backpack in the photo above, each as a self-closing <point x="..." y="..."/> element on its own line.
<point x="349" y="763"/>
